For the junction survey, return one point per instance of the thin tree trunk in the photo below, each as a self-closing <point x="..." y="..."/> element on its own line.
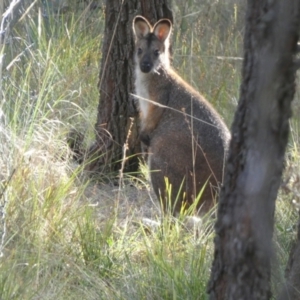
<point x="244" y="228"/>
<point x="116" y="83"/>
<point x="10" y="14"/>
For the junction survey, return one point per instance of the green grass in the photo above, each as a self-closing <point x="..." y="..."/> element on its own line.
<point x="57" y="244"/>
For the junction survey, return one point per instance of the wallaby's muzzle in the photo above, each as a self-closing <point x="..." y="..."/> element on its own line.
<point x="146" y="66"/>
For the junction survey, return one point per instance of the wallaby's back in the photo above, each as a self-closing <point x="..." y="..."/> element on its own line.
<point x="186" y="137"/>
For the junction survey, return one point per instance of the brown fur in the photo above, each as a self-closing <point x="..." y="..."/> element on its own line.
<point x="189" y="151"/>
<point x="152" y="119"/>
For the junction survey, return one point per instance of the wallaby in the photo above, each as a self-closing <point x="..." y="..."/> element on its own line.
<point x="186" y="138"/>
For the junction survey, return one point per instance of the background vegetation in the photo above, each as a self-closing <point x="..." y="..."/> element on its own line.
<point x="62" y="237"/>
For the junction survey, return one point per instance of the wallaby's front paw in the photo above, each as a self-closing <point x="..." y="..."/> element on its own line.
<point x="145" y="138"/>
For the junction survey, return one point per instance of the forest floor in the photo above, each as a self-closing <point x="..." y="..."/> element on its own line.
<point x="131" y="204"/>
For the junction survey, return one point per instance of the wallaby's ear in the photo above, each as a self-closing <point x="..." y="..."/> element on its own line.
<point x="162" y="29"/>
<point x="141" y="27"/>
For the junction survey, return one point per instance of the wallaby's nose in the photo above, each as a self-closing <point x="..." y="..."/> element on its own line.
<point x="146" y="66"/>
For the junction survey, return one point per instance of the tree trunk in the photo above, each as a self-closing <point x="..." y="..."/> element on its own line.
<point x="116" y="83"/>
<point x="244" y="228"/>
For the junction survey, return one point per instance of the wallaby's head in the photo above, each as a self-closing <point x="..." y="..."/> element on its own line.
<point x="152" y="43"/>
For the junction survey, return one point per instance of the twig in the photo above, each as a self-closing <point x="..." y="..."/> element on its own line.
<point x="124" y="158"/>
<point x="174" y="109"/>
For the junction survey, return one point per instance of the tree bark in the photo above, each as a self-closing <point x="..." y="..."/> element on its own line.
<point x="244" y="228"/>
<point x="116" y="83"/>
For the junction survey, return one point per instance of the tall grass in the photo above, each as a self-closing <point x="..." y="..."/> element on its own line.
<point x="64" y="238"/>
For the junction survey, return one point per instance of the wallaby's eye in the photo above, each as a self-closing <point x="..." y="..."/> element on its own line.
<point x="156" y="52"/>
<point x="139" y="51"/>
